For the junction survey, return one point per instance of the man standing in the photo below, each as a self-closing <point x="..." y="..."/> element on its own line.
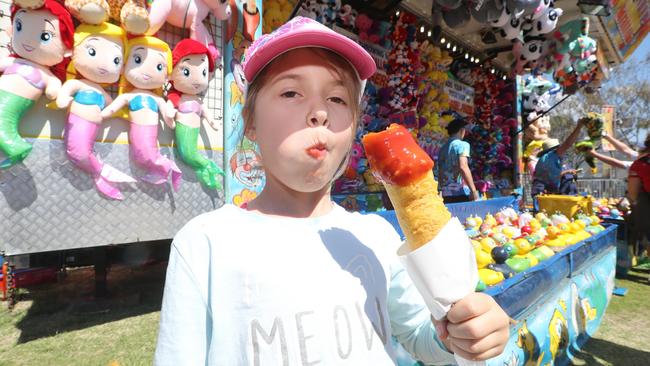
<point x="452" y="170"/>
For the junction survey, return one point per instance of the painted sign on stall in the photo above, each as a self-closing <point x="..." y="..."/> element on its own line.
<point x="608" y="112"/>
<point x="461" y="97"/>
<point x="628" y="24"/>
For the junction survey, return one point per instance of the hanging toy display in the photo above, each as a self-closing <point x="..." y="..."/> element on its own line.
<point x="192" y="66"/>
<point x="97" y="60"/>
<point x="403" y="61"/>
<point x="191" y="13"/>
<point x="131" y="14"/>
<point x="41" y="40"/>
<point x="575" y="55"/>
<point x="276" y="13"/>
<point x="433" y="98"/>
<point x="490" y="136"/>
<point x="147" y="67"/>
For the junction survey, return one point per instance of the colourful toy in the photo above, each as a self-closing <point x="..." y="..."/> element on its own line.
<point x="41" y="38"/>
<point x="192" y="66"/>
<point x="191" y="13"/>
<point x="97" y="60"/>
<point x="147" y="67"/>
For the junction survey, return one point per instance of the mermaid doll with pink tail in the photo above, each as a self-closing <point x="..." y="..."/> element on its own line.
<point x="190" y="76"/>
<point x="148" y="64"/>
<point x="97" y="59"/>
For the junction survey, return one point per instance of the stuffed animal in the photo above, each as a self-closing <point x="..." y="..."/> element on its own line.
<point x="192" y="66"/>
<point x="97" y="60"/>
<point x="148" y="63"/>
<point x="547" y="22"/>
<point x="276" y="12"/>
<point x="191" y="13"/>
<point x="41" y="39"/>
<point x="512" y="29"/>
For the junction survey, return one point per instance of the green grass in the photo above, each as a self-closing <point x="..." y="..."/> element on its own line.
<point x="61" y="324"/>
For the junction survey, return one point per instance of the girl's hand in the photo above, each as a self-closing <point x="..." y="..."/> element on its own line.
<point x="476" y="328"/>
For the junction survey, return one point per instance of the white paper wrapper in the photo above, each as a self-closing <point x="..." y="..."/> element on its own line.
<point x="443" y="270"/>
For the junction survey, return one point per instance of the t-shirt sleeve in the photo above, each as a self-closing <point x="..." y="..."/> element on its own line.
<point x="462" y="148"/>
<point x="409" y="317"/>
<point x="411" y="320"/>
<point x="184" y="333"/>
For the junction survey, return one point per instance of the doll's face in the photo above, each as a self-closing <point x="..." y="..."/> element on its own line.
<point x="146" y="68"/>
<point x="36" y="36"/>
<point x="190" y="75"/>
<point x="99" y="58"/>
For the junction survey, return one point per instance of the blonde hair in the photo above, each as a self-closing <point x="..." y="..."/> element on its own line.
<point x="343" y="69"/>
<point x="84" y="31"/>
<point x="149" y="42"/>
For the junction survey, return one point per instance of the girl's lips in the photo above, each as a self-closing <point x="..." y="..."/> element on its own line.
<point x="318" y="151"/>
<point x="28" y="48"/>
<point x="146" y="77"/>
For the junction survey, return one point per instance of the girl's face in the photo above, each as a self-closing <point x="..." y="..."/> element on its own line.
<point x="302" y="121"/>
<point x="36" y="36"/>
<point x="190" y="75"/>
<point x="146" y="68"/>
<point x="99" y="58"/>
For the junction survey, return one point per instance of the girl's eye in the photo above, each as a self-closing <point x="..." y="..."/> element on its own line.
<point x="117" y="60"/>
<point x="338" y="100"/>
<point x="186" y="71"/>
<point x="92" y="52"/>
<point x="290" y="94"/>
<point x="19" y="25"/>
<point x="159" y="67"/>
<point x="205" y="72"/>
<point x="137" y="59"/>
<point x="46" y="37"/>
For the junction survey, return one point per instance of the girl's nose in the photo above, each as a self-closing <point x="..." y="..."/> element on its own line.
<point x="318" y="118"/>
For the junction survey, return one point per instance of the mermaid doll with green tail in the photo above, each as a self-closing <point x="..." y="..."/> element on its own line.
<point x="192" y="65"/>
<point x="41" y="40"/>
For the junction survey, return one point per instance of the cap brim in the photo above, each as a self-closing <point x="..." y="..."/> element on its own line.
<point x="340" y="44"/>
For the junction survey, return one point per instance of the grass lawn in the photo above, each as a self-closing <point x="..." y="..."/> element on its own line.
<point x="61" y="324"/>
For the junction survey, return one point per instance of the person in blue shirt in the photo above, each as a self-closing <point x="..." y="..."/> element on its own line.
<point x="452" y="169"/>
<point x="551" y="174"/>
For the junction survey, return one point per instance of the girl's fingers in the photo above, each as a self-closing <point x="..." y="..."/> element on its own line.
<point x="479" y="327"/>
<point x="493" y="352"/>
<point x="496" y="340"/>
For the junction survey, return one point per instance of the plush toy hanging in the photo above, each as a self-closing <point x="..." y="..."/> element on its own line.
<point x="190" y="76"/>
<point x="190" y="14"/>
<point x="132" y="14"/>
<point x="41" y="39"/>
<point x="148" y="63"/>
<point x="97" y="60"/>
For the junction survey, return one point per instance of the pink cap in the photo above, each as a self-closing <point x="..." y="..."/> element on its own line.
<point x="302" y="32"/>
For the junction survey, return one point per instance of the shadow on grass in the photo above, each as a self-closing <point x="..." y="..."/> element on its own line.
<point x="636" y="277"/>
<point x="70" y="304"/>
<point x="598" y="349"/>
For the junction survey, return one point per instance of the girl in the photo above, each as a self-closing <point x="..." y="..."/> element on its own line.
<point x="638" y="191"/>
<point x="97" y="59"/>
<point x="293" y="278"/>
<point x="148" y="64"/>
<point x="192" y="65"/>
<point x="41" y="39"/>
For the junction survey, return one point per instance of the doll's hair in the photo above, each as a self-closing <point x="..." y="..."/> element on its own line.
<point x="343" y="69"/>
<point x="148" y="42"/>
<point x="66" y="28"/>
<point x="84" y="31"/>
<point x="182" y="49"/>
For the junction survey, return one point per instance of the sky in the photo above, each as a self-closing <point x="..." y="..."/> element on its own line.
<point x="642" y="51"/>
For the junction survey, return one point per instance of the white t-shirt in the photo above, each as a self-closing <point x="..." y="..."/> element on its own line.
<point x="248" y="289"/>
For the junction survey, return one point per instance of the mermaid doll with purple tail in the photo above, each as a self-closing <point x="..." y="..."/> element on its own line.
<point x="97" y="59"/>
<point x="148" y="64"/>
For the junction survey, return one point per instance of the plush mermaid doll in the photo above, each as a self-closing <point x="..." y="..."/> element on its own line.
<point x="148" y="64"/>
<point x="41" y="39"/>
<point x="97" y="59"/>
<point x="192" y="65"/>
